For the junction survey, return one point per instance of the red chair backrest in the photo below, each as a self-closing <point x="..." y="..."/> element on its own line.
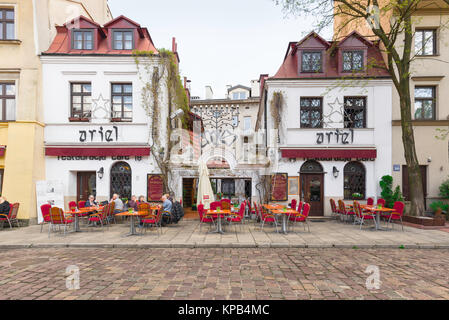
<point x="306" y="210"/>
<point x="14" y="210"/>
<point x="294" y="204"/>
<point x="200" y="210"/>
<point x="242" y="209"/>
<point x="300" y="206"/>
<point x="214" y="205"/>
<point x="81" y="204"/>
<point x="45" y="209"/>
<point x="357" y="209"/>
<point x="57" y="215"/>
<point x="399" y="207"/>
<point x="72" y="204"/>
<point x="341" y="206"/>
<point x="381" y="201"/>
<point x="370" y="201"/>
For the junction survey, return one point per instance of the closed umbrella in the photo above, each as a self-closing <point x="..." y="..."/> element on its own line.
<point x="205" y="192"/>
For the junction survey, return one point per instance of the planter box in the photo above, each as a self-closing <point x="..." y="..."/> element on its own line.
<point x="425" y="221"/>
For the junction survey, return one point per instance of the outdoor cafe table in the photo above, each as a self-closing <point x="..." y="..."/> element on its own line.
<point x="219" y="214"/>
<point x="79" y="212"/>
<point x="132" y="230"/>
<point x="284" y="214"/>
<point x="378" y="211"/>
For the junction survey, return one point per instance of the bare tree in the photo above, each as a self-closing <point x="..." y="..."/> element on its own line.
<point x="392" y="23"/>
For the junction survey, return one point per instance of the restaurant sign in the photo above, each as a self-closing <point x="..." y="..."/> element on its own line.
<point x="279" y="186"/>
<point x="338" y="136"/>
<point x="155" y="187"/>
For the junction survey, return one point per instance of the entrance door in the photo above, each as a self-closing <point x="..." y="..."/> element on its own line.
<point x="86" y="184"/>
<point x="312" y="192"/>
<point x="188" y="192"/>
<point x="405" y="191"/>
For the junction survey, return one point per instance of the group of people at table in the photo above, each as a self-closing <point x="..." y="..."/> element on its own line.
<point x="360" y="213"/>
<point x="99" y="214"/>
<point x="266" y="213"/>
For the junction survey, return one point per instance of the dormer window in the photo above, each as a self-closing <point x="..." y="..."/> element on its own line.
<point x="123" y="40"/>
<point x="352" y="61"/>
<point x="312" y="61"/>
<point x="83" y="40"/>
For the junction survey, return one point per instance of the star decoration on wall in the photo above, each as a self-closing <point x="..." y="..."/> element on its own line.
<point x="101" y="109"/>
<point x="336" y="108"/>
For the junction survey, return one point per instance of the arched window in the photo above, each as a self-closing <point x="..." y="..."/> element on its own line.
<point x="121" y="179"/>
<point x="354" y="179"/>
<point x="311" y="167"/>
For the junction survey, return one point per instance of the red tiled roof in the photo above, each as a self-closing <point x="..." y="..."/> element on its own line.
<point x="102" y="38"/>
<point x="290" y="68"/>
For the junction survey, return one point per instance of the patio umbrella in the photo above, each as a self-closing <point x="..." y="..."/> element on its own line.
<point x="205" y="192"/>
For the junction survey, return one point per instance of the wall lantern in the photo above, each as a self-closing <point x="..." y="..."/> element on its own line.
<point x="292" y="160"/>
<point x="100" y="173"/>
<point x="335" y="172"/>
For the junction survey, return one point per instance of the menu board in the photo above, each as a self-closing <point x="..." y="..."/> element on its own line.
<point x="49" y="192"/>
<point x="279" y="184"/>
<point x="155" y="187"/>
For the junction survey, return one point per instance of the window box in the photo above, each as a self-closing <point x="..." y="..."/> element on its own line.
<point x="73" y="119"/>
<point x="120" y="120"/>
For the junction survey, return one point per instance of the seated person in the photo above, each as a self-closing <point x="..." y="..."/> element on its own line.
<point x="133" y="203"/>
<point x="119" y="206"/>
<point x="91" y="202"/>
<point x="141" y="199"/>
<point x="4" y="206"/>
<point x="166" y="210"/>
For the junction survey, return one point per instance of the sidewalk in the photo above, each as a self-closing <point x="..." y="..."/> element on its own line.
<point x="187" y="234"/>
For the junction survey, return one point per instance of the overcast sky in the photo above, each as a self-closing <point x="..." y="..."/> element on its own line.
<point x="220" y="42"/>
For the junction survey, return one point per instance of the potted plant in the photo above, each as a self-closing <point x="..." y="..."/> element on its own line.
<point x="357" y="196"/>
<point x="439" y="207"/>
<point x="390" y="196"/>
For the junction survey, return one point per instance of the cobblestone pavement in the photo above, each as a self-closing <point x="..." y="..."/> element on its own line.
<point x="220" y="273"/>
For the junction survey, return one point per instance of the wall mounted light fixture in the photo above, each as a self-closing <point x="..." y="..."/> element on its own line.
<point x="100" y="173"/>
<point x="335" y="172"/>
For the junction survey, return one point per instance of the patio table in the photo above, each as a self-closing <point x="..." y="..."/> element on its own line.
<point x="132" y="230"/>
<point x="378" y="211"/>
<point x="284" y="214"/>
<point x="80" y="212"/>
<point x="219" y="214"/>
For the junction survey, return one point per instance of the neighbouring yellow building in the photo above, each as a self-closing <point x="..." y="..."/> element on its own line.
<point x="27" y="28"/>
<point x="429" y="87"/>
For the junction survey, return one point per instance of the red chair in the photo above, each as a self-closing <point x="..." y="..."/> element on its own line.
<point x="58" y="219"/>
<point x="72" y="206"/>
<point x="214" y="205"/>
<point x="334" y="209"/>
<point x="257" y="212"/>
<point x="238" y="217"/>
<point x="45" y="209"/>
<point x="11" y="217"/>
<point x="101" y="217"/>
<point x="294" y="204"/>
<point x="267" y="217"/>
<point x="81" y="204"/>
<point x="301" y="217"/>
<point x="369" y="201"/>
<point x="204" y="218"/>
<point x="381" y="202"/>
<point x="396" y="214"/>
<point x="363" y="215"/>
<point x="344" y="212"/>
<point x="153" y="220"/>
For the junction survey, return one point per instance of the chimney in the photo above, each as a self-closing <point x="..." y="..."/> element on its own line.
<point x="173" y="45"/>
<point x="255" y="88"/>
<point x="228" y="86"/>
<point x="209" y="93"/>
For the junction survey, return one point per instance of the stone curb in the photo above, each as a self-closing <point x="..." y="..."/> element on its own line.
<point x="221" y="245"/>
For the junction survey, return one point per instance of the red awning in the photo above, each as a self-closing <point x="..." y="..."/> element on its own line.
<point x="329" y="153"/>
<point x="2" y="150"/>
<point x="97" y="152"/>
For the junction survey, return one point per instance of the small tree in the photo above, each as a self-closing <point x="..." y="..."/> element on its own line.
<point x="444" y="189"/>
<point x="390" y="196"/>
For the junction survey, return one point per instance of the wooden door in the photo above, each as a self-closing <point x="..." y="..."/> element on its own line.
<point x="86" y="184"/>
<point x="405" y="191"/>
<point x="312" y="192"/>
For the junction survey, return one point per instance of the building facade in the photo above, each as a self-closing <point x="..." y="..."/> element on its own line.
<point x="97" y="129"/>
<point x="27" y="28"/>
<point x="330" y="129"/>
<point x="429" y="87"/>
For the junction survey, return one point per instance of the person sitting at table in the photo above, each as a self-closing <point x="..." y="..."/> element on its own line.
<point x="119" y="206"/>
<point x="141" y="200"/>
<point x="91" y="202"/>
<point x="166" y="210"/>
<point x="4" y="206"/>
<point x="133" y="203"/>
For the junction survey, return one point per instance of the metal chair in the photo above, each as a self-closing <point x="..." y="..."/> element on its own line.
<point x="301" y="217"/>
<point x="11" y="217"/>
<point x="45" y="209"/>
<point x="396" y="214"/>
<point x="58" y="219"/>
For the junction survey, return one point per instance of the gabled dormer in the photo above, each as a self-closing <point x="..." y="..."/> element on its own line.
<point x="311" y="52"/>
<point x="353" y="53"/>
<point x="123" y="33"/>
<point x="84" y="34"/>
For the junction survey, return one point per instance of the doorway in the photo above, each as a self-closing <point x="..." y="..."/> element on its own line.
<point x="188" y="192"/>
<point x="121" y="180"/>
<point x="86" y="184"/>
<point x="312" y="187"/>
